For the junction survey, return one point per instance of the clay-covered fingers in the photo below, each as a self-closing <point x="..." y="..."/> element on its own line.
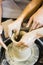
<point x="11" y="31"/>
<point x="14" y="26"/>
<point x="21" y="44"/>
<point x="30" y="37"/>
<point x="29" y="22"/>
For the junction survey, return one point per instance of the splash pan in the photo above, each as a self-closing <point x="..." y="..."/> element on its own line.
<point x="32" y="58"/>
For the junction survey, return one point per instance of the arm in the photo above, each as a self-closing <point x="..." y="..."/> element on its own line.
<point x="0" y="16"/>
<point x="1" y="41"/>
<point x="0" y="11"/>
<point x="30" y="9"/>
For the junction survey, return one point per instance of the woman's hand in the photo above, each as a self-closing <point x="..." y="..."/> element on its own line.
<point x="29" y="38"/>
<point x="15" y="26"/>
<point x="37" y="19"/>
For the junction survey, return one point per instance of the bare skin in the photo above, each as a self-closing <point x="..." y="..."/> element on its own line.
<point x="17" y="23"/>
<point x="37" y="19"/>
<point x="1" y="42"/>
<point x="28" y="38"/>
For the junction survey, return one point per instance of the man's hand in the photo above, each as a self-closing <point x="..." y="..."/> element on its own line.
<point x="15" y="26"/>
<point x="37" y="19"/>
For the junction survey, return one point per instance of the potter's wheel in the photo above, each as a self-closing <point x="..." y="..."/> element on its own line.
<point x="30" y="61"/>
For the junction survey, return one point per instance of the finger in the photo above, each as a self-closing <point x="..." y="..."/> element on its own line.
<point x="39" y="26"/>
<point x="2" y="44"/>
<point x="21" y="44"/>
<point x="33" y="26"/>
<point x="29" y="22"/>
<point x="17" y="32"/>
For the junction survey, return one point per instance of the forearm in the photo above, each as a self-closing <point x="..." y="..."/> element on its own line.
<point x="0" y="10"/>
<point x="0" y="16"/>
<point x="30" y="9"/>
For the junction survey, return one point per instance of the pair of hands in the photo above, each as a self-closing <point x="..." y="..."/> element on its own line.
<point x="36" y="18"/>
<point x="1" y="41"/>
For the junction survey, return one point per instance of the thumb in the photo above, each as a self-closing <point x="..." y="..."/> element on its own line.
<point x="9" y="32"/>
<point x="17" y="32"/>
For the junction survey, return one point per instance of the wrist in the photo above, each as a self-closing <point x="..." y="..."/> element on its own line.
<point x="20" y="19"/>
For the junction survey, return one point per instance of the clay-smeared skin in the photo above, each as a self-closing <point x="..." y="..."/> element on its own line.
<point x="27" y="12"/>
<point x="21" y="45"/>
<point x="30" y="37"/>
